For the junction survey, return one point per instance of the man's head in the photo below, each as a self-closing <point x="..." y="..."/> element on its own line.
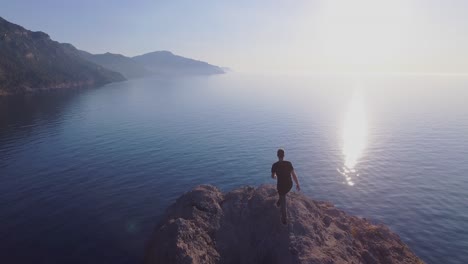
<point x="280" y="154"/>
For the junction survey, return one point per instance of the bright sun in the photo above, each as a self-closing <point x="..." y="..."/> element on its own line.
<point x="363" y="33"/>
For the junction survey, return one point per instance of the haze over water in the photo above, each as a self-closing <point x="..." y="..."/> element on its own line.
<point x="85" y="175"/>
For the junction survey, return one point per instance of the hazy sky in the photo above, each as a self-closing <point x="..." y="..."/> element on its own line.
<point x="278" y="36"/>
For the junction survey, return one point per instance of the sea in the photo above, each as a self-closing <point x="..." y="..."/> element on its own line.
<point x="85" y="175"/>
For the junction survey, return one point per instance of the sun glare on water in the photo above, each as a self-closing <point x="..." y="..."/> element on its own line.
<point x="354" y="136"/>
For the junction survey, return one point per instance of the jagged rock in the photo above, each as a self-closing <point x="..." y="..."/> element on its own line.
<point x="243" y="226"/>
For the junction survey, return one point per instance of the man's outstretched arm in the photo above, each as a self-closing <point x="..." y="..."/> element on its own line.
<point x="293" y="173"/>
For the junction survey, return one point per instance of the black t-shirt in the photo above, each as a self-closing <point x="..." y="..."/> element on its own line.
<point x="283" y="170"/>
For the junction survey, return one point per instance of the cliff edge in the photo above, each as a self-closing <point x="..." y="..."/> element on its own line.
<point x="243" y="226"/>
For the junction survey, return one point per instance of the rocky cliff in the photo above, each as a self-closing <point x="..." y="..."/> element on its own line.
<point x="243" y="226"/>
<point x="31" y="61"/>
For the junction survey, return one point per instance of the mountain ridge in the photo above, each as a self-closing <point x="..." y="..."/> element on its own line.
<point x="129" y="68"/>
<point x="166" y="62"/>
<point x="161" y="63"/>
<point x="30" y="61"/>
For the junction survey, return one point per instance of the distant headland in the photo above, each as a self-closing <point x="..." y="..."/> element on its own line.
<point x="32" y="62"/>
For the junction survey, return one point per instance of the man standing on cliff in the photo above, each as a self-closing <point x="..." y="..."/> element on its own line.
<point x="283" y="170"/>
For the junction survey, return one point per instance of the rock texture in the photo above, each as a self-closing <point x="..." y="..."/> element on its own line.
<point x="243" y="226"/>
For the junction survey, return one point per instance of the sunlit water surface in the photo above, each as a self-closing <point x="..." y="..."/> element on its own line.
<point x="85" y="175"/>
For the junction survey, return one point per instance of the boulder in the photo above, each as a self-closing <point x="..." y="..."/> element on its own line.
<point x="207" y="226"/>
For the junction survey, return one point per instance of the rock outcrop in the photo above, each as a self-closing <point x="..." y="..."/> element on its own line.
<point x="243" y="226"/>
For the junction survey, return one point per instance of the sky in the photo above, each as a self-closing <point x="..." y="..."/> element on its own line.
<point x="264" y="36"/>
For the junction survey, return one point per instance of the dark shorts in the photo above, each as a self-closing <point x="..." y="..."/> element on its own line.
<point x="284" y="187"/>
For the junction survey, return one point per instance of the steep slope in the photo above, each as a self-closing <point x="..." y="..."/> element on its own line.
<point x="166" y="63"/>
<point x="243" y="226"/>
<point x="129" y="68"/>
<point x="31" y="61"/>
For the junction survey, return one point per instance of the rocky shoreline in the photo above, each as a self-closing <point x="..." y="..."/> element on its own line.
<point x="243" y="226"/>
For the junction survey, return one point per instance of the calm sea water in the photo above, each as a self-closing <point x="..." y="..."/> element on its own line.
<point x="85" y="175"/>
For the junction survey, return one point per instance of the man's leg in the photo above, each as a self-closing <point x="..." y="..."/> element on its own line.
<point x="282" y="199"/>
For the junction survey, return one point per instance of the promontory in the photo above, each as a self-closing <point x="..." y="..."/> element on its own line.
<point x="207" y="226"/>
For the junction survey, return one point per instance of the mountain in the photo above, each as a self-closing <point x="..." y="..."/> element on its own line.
<point x="31" y="61"/>
<point x="166" y="63"/>
<point x="128" y="67"/>
<point x="162" y="63"/>
<point x="243" y="226"/>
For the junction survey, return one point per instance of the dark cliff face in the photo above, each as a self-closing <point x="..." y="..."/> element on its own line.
<point x="243" y="226"/>
<point x="31" y="61"/>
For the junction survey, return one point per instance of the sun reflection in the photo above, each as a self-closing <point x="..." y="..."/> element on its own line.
<point x="354" y="136"/>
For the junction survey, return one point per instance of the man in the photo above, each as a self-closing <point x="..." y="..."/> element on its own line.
<point x="282" y="170"/>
